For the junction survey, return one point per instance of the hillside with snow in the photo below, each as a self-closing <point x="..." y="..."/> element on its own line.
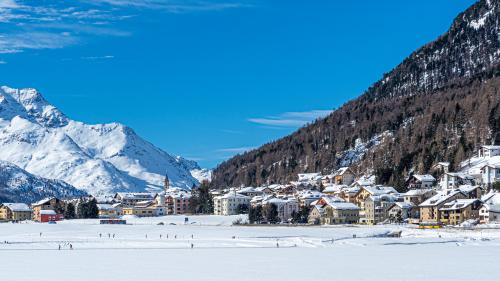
<point x="17" y="185"/>
<point x="99" y="159"/>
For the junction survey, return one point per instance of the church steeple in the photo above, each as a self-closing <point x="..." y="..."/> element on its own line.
<point x="166" y="183"/>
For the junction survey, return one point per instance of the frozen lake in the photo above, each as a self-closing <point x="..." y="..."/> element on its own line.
<point x="144" y="250"/>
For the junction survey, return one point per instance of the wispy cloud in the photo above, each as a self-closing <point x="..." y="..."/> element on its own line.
<point x="14" y="43"/>
<point x="173" y="6"/>
<point x="290" y="119"/>
<point x="70" y="22"/>
<point x="98" y="58"/>
<point x="3" y="62"/>
<point x="236" y="149"/>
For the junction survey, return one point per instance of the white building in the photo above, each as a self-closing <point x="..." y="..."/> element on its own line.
<point x="490" y="174"/>
<point x="421" y="181"/>
<point x="228" y="204"/>
<point x="490" y="211"/>
<point x="454" y="180"/>
<point x="286" y="207"/>
<point x="488" y="151"/>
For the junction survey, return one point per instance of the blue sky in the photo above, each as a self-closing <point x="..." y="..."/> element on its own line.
<point x="209" y="79"/>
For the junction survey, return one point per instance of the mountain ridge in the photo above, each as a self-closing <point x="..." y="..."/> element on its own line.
<point x="404" y="122"/>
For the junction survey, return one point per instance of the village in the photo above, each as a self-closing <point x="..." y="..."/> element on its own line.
<point x="469" y="197"/>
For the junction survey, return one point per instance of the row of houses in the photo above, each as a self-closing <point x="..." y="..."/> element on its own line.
<point x="172" y="201"/>
<point x="343" y="197"/>
<point x="49" y="209"/>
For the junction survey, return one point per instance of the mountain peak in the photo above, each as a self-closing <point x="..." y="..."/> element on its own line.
<point x="30" y="103"/>
<point x="100" y="158"/>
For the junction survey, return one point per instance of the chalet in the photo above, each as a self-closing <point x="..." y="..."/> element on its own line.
<point x="441" y="167"/>
<point x="305" y="198"/>
<point x="376" y="207"/>
<point x="265" y="190"/>
<point x="488" y="151"/>
<point x="148" y="208"/>
<point x="429" y="209"/>
<point x="310" y="177"/>
<point x="349" y="194"/>
<point x="420" y="182"/>
<point x="417" y="196"/>
<point x="490" y="211"/>
<point x="470" y="191"/>
<point x="459" y="210"/>
<point x="15" y="212"/>
<point x="490" y="174"/>
<point x="367" y="191"/>
<point x="50" y="203"/>
<point x="250" y="191"/>
<point x="132" y="198"/>
<point x="454" y="180"/>
<point x="315" y="214"/>
<point x="333" y="189"/>
<point x="344" y="176"/>
<point x="402" y="211"/>
<point x="340" y="213"/>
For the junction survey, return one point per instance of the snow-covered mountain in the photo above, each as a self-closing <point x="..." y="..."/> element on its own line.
<point x="98" y="159"/>
<point x="17" y="185"/>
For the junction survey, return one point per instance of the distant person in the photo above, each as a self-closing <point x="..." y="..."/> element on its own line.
<point x="192" y="245"/>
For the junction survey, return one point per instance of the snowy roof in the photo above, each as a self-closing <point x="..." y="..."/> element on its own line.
<point x="491" y="147"/>
<point x="343" y="206"/>
<point x="341" y="171"/>
<point x="424" y="177"/>
<point x="458" y="204"/>
<point x="135" y="195"/>
<point x="310" y="194"/>
<point x="43" y="201"/>
<point x="309" y="176"/>
<point x="379" y="190"/>
<point x="329" y="200"/>
<point x="249" y="189"/>
<point x="494" y="208"/>
<point x="47" y="212"/>
<point x="461" y="175"/>
<point x="17" y="207"/>
<point x="334" y="188"/>
<point x="439" y="198"/>
<point x="404" y="205"/>
<point x="366" y="180"/>
<point x="383" y="197"/>
<point x="491" y="198"/>
<point x="232" y="195"/>
<point x="417" y="192"/>
<point x="105" y="207"/>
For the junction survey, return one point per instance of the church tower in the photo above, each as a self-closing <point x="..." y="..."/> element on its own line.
<point x="166" y="183"/>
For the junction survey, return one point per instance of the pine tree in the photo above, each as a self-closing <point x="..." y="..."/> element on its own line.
<point x="69" y="211"/>
<point x="271" y="213"/>
<point x="93" y="210"/>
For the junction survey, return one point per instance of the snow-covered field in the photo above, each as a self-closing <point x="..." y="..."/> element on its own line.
<point x="144" y="250"/>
